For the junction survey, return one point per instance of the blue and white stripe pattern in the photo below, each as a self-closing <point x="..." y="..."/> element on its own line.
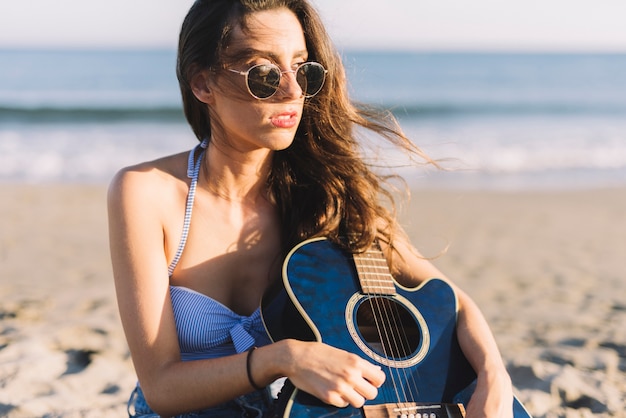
<point x="206" y="328"/>
<point x="193" y="171"/>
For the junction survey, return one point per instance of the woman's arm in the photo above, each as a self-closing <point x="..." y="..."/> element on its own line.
<point x="136" y="202"/>
<point x="493" y="396"/>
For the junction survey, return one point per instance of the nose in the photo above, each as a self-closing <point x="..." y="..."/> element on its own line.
<point x="289" y="87"/>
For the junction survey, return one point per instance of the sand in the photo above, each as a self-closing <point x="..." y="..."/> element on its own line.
<point x="547" y="269"/>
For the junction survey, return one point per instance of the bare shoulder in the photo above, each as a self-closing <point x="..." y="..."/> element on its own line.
<point x="150" y="181"/>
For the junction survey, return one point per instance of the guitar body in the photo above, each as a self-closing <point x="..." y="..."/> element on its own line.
<point x="322" y="299"/>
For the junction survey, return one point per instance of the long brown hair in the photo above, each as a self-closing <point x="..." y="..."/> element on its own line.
<point x="321" y="185"/>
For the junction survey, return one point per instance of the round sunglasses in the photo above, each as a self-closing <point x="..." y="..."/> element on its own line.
<point x="263" y="80"/>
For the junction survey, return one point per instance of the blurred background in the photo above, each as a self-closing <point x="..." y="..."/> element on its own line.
<point x="518" y="94"/>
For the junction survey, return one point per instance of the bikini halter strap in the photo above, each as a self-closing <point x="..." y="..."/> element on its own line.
<point x="193" y="171"/>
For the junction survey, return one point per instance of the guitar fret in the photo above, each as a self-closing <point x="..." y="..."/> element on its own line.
<point x="384" y="275"/>
<point x="381" y="287"/>
<point x="380" y="280"/>
<point x="367" y="256"/>
<point x="374" y="259"/>
<point x="375" y="267"/>
<point x="375" y="277"/>
<point x="373" y="273"/>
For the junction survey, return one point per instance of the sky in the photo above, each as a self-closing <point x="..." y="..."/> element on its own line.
<point x="513" y="25"/>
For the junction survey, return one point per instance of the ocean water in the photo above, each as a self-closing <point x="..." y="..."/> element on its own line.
<point x="496" y="120"/>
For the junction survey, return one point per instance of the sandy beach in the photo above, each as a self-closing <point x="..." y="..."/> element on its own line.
<point x="546" y="268"/>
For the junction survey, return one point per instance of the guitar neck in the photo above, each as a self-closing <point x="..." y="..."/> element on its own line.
<point x="373" y="272"/>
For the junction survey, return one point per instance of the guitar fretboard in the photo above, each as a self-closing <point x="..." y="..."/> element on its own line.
<point x="373" y="272"/>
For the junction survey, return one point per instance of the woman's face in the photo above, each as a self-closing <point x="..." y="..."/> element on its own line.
<point x="244" y="122"/>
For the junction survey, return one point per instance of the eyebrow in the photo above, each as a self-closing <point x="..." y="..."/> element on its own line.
<point x="246" y="53"/>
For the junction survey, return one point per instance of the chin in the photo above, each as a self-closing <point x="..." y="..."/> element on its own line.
<point x="282" y="146"/>
<point x="282" y="142"/>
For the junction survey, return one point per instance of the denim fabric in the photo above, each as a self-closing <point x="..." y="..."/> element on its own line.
<point x="253" y="405"/>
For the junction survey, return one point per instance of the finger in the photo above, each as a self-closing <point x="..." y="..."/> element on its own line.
<point x="366" y="389"/>
<point x="344" y="396"/>
<point x="337" y="400"/>
<point x="354" y="398"/>
<point x="369" y="379"/>
<point x="374" y="375"/>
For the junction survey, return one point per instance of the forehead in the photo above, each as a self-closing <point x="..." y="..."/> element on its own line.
<point x="276" y="32"/>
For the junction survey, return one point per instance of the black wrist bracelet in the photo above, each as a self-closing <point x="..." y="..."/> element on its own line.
<point x="248" y="363"/>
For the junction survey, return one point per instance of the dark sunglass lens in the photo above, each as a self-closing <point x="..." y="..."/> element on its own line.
<point x="311" y="78"/>
<point x="263" y="80"/>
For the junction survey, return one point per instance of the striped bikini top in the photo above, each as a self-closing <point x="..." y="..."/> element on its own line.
<point x="206" y="328"/>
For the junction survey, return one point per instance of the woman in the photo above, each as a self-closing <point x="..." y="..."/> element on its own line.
<point x="264" y="92"/>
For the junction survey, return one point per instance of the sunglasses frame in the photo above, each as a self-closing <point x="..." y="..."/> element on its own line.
<point x="280" y="77"/>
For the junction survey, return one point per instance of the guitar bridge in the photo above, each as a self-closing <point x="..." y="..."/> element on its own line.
<point x="414" y="410"/>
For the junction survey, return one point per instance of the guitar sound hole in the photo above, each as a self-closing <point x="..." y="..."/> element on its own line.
<point x="387" y="327"/>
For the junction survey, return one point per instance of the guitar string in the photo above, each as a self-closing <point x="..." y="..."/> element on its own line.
<point x="391" y="324"/>
<point x="382" y="318"/>
<point x="409" y="378"/>
<point x="376" y="314"/>
<point x="392" y="315"/>
<point x="362" y="262"/>
<point x="400" y="339"/>
<point x="406" y="347"/>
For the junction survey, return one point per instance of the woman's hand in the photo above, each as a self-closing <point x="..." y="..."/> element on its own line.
<point x="493" y="396"/>
<point x="334" y="376"/>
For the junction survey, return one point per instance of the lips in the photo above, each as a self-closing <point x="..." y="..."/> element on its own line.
<point x="285" y="119"/>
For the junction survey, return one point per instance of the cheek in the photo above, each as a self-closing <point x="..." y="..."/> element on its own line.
<point x="244" y="113"/>
<point x="231" y="88"/>
<point x="237" y="116"/>
<point x="228" y="105"/>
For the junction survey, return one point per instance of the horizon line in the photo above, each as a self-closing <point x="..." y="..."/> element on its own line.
<point x="340" y="48"/>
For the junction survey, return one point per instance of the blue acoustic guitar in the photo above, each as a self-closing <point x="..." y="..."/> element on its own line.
<point x="352" y="302"/>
